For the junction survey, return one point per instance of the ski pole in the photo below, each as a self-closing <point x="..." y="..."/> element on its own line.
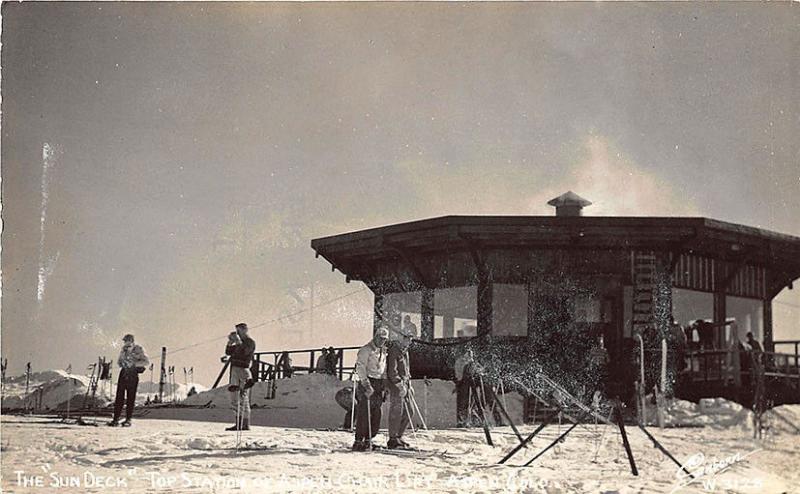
<point x="244" y="396"/>
<point x="353" y="409"/>
<point x="369" y="424"/>
<point x="69" y="397"/>
<point x="410" y="420"/>
<point x="416" y="407"/>
<point x="238" y="417"/>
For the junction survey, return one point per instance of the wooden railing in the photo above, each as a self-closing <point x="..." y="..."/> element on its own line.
<point x="271" y="365"/>
<point x="782" y="365"/>
<point x="795" y="344"/>
<point x="726" y="365"/>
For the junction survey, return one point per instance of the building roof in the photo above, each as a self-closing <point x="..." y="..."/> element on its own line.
<point x="699" y="236"/>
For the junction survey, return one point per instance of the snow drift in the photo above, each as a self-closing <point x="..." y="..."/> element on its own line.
<point x="309" y="401"/>
<point x="58" y="390"/>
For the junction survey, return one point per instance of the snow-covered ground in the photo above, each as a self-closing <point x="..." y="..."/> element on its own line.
<point x="290" y="450"/>
<point x="192" y="456"/>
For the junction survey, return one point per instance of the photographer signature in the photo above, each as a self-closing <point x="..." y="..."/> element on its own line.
<point x="697" y="468"/>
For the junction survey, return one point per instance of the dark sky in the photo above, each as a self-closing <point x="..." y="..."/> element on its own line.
<point x="164" y="166"/>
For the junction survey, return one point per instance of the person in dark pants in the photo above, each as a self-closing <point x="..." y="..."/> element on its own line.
<point x="371" y="372"/>
<point x="240" y="350"/>
<point x="398" y="383"/>
<point x="132" y="362"/>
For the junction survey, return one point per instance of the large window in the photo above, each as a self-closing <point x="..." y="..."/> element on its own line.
<point x="689" y="306"/>
<point x="402" y="309"/>
<point x="455" y="312"/>
<point x="748" y="314"/>
<point x="510" y="310"/>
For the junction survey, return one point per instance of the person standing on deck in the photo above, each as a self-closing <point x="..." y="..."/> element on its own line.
<point x="398" y="377"/>
<point x="371" y="372"/>
<point x="132" y="362"/>
<point x="755" y="346"/>
<point x="322" y="362"/>
<point x="331" y="361"/>
<point x="240" y="350"/>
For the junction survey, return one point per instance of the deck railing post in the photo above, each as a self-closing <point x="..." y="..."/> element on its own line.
<point x="796" y="343"/>
<point x="255" y="368"/>
<point x="786" y="366"/>
<point x="311" y="365"/>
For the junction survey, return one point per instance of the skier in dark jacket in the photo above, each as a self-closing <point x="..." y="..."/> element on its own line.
<point x="240" y="350"/>
<point x="398" y="380"/>
<point x="331" y="361"/>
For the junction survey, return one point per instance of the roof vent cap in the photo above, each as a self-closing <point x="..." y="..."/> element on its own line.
<point x="569" y="204"/>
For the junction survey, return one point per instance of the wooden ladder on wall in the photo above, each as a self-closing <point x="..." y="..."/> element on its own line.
<point x="644" y="286"/>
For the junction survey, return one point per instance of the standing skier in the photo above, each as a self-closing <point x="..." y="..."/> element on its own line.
<point x="398" y="376"/>
<point x="371" y="371"/>
<point x="132" y="362"/>
<point x="240" y="349"/>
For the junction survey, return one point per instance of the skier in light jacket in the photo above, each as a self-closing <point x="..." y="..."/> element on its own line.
<point x="132" y="362"/>
<point x="371" y="372"/>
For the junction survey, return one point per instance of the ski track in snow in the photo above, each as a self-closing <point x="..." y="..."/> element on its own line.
<point x="191" y="456"/>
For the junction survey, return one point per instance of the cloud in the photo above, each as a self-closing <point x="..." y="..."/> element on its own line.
<point x="616" y="186"/>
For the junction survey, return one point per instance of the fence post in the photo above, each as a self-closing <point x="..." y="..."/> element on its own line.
<point x="341" y="363"/>
<point x="255" y="369"/>
<point x="162" y="377"/>
<point x="311" y="365"/>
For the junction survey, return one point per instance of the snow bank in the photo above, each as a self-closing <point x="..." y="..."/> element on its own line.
<point x="181" y="389"/>
<point x="709" y="412"/>
<point x="309" y="401"/>
<point x="300" y="401"/>
<point x="784" y="419"/>
<point x="60" y="389"/>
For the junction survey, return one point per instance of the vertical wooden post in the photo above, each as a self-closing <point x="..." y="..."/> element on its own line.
<point x="448" y="329"/>
<point x="737" y="365"/>
<point x="311" y="367"/>
<point x="769" y="346"/>
<point x="255" y="369"/>
<point x="484" y="305"/>
<point x="426" y="332"/>
<point x="377" y="312"/>
<point x="720" y="274"/>
<point x="531" y="306"/>
<point x="27" y="377"/>
<point x="163" y="374"/>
